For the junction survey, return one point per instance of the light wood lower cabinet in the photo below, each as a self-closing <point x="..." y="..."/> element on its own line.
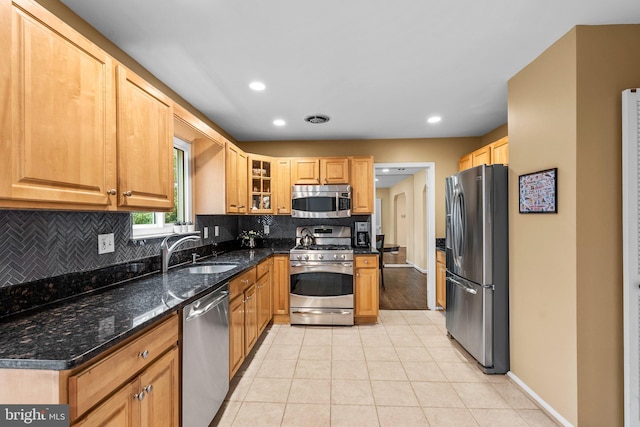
<point x="281" y="288"/>
<point x="441" y="279"/>
<point x="236" y="334"/>
<point x="151" y="399"/>
<point x="243" y="318"/>
<point x="264" y="294"/>
<point x="366" y="292"/>
<point x="97" y="396"/>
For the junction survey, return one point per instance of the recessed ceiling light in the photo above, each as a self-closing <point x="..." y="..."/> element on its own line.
<point x="385" y="170"/>
<point x="257" y="86"/>
<point x="434" y="119"/>
<point x="279" y="122"/>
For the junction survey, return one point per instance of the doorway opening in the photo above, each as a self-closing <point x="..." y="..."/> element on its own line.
<point x="405" y="214"/>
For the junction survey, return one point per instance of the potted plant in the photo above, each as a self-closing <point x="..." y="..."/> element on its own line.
<point x="248" y="238"/>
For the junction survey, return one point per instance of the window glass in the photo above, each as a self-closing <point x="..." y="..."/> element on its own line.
<point x="146" y="224"/>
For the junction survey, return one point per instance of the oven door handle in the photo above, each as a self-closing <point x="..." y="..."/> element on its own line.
<point x="340" y="268"/>
<point x="342" y="264"/>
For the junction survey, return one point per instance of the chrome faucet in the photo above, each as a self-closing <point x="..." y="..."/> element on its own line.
<point x="167" y="250"/>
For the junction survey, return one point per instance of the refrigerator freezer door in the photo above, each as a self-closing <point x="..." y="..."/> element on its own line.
<point x="469" y="227"/>
<point x="469" y="320"/>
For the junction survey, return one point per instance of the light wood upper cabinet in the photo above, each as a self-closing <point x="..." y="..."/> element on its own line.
<point x="283" y="187"/>
<point x="500" y="151"/>
<point x="465" y="162"/>
<point x="334" y="171"/>
<point x="236" y="179"/>
<point x="58" y="127"/>
<point x="305" y="171"/>
<point x="481" y="156"/>
<point x="145" y="144"/>
<point x="362" y="185"/>
<point x="261" y="180"/>
<point x="320" y="171"/>
<point x="208" y="151"/>
<point x="495" y="153"/>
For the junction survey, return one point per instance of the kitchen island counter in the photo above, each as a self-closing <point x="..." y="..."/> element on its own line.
<point x="68" y="333"/>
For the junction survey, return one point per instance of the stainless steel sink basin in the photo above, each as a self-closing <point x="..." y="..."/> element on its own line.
<point x="211" y="268"/>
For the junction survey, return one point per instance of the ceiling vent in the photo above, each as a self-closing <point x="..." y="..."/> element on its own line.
<point x="317" y="119"/>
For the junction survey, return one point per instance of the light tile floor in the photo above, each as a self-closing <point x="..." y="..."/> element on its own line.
<point x="403" y="371"/>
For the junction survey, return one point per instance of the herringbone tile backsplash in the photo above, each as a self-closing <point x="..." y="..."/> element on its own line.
<point x="36" y="245"/>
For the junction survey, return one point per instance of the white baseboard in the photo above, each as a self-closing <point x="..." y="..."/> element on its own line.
<point x="544" y="405"/>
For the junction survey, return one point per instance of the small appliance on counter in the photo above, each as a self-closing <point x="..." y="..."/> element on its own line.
<point x="362" y="235"/>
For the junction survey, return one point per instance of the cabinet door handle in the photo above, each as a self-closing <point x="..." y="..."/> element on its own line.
<point x="139" y="396"/>
<point x="127" y="194"/>
<point x="112" y="192"/>
<point x="148" y="389"/>
<point x="144" y="354"/>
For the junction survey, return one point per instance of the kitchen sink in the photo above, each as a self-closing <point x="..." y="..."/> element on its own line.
<point x="211" y="268"/>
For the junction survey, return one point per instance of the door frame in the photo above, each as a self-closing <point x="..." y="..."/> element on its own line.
<point x="430" y="226"/>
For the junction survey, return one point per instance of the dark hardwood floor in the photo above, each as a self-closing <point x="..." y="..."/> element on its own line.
<point x="405" y="289"/>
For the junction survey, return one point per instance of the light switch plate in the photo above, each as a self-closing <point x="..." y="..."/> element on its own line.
<point x="266" y="229"/>
<point x="105" y="244"/>
<point x="216" y="231"/>
<point x="205" y="231"/>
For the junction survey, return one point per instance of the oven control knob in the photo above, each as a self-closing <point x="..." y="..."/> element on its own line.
<point x="342" y="256"/>
<point x="306" y="257"/>
<point x="320" y="256"/>
<point x="335" y="257"/>
<point x="299" y="257"/>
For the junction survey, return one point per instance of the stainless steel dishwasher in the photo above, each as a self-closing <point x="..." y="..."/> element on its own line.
<point x="205" y="357"/>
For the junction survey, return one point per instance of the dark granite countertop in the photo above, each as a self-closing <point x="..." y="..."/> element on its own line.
<point x="67" y="334"/>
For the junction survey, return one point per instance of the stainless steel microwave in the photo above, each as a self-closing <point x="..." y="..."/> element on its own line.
<point x="321" y="201"/>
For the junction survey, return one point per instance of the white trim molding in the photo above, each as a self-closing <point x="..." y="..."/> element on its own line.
<point x="541" y="402"/>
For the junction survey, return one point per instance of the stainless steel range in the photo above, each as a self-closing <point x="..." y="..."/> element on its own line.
<point x="322" y="276"/>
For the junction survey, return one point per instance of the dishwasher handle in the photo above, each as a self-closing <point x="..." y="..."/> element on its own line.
<point x="195" y="312"/>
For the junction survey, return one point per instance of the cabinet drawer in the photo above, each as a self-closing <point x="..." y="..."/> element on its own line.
<point x="366" y="261"/>
<point x="263" y="268"/>
<point x="91" y="385"/>
<point x="240" y="283"/>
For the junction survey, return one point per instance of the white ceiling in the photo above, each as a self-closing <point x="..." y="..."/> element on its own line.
<point x="378" y="68"/>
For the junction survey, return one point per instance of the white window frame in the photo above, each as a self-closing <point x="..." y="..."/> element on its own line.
<point x="159" y="228"/>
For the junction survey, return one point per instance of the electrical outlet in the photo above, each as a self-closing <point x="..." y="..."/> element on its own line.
<point x="266" y="229"/>
<point x="205" y="230"/>
<point x="216" y="230"/>
<point x="105" y="244"/>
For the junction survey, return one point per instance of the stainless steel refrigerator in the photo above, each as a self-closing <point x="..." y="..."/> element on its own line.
<point x="477" y="249"/>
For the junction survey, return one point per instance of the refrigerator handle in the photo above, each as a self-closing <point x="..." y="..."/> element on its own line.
<point x="463" y="286"/>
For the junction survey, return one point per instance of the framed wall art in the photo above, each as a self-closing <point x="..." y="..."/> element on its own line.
<point x="538" y="192"/>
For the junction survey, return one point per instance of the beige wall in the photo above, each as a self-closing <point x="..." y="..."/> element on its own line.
<point x="565" y="269"/>
<point x="542" y="135"/>
<point x="444" y="152"/>
<point x="494" y="135"/>
<point x="608" y="63"/>
<point x="383" y="195"/>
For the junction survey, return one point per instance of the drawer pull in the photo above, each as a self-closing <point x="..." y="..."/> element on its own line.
<point x="139" y="396"/>
<point x="144" y="354"/>
<point x="127" y="194"/>
<point x="112" y="192"/>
